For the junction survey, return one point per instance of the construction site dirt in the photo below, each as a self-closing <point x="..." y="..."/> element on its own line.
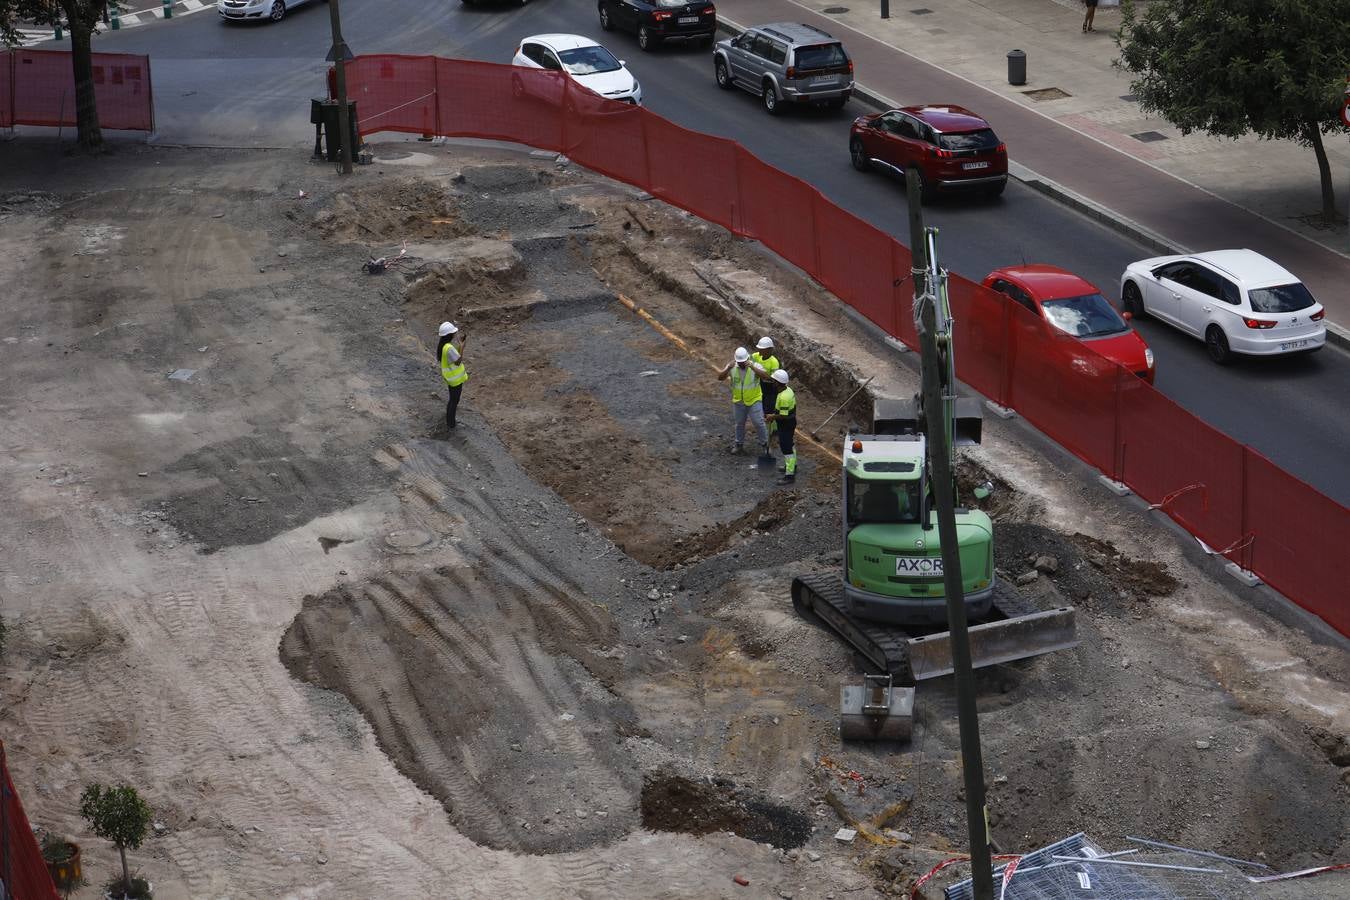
<point x="344" y="651"/>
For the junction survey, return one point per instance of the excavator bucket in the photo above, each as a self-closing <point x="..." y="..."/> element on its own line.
<point x="997" y="642"/>
<point x="876" y="710"/>
<point x="892" y="417"/>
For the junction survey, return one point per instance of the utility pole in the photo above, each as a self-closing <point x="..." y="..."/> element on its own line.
<point x="338" y="56"/>
<point x="938" y="400"/>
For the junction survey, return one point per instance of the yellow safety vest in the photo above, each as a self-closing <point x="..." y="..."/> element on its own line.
<point x="786" y="402"/>
<point x="745" y="386"/>
<point x="769" y="363"/>
<point x="452" y="370"/>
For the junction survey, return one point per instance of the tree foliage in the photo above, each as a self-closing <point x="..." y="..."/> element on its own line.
<point x="117" y="814"/>
<point x="1273" y="68"/>
<point x="80" y="16"/>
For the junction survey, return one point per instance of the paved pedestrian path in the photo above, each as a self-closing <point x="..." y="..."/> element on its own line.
<point x="1075" y="124"/>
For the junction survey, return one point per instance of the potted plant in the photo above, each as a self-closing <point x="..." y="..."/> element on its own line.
<point x="118" y="814"/>
<point x="63" y="862"/>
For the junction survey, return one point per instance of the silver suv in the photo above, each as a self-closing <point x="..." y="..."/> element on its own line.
<point x="785" y="63"/>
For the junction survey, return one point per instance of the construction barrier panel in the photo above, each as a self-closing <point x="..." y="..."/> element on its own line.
<point x="37" y="87"/>
<point x="1231" y="498"/>
<point x="23" y="872"/>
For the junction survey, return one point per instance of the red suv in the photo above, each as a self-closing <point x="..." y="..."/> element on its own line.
<point x="952" y="148"/>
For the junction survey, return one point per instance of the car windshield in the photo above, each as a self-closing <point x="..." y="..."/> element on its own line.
<point x="1086" y="316"/>
<point x="821" y="56"/>
<point x="588" y="60"/>
<point x="882" y="501"/>
<point x="984" y="139"/>
<point x="1282" y="298"/>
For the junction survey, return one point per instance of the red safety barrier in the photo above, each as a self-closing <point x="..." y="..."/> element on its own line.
<point x="37" y="87"/>
<point x="1227" y="495"/>
<point x="23" y="872"/>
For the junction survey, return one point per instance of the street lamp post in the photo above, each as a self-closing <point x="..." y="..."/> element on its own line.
<point x="338" y="56"/>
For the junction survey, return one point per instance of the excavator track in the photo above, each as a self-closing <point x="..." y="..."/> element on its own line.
<point x="886" y="649"/>
<point x="1016" y="629"/>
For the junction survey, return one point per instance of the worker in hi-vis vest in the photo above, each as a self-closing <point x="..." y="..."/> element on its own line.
<point x="764" y="358"/>
<point x="785" y="415"/>
<point x="450" y="353"/>
<point x="747" y="400"/>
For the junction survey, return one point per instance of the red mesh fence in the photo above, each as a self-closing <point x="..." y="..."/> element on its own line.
<point x="6" y="90"/>
<point x="1230" y="497"/>
<point x="41" y="90"/>
<point x="23" y="873"/>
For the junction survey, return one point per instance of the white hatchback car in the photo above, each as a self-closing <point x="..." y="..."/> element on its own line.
<point x="255" y="10"/>
<point x="584" y="61"/>
<point x="1236" y="301"/>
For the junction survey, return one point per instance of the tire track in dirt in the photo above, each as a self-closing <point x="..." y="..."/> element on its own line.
<point x="460" y="668"/>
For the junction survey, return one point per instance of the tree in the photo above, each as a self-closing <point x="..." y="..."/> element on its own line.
<point x="80" y="17"/>
<point x="117" y="814"/>
<point x="1274" y="68"/>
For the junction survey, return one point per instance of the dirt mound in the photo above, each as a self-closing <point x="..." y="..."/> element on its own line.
<point x="767" y="515"/>
<point x="1088" y="570"/>
<point x="391" y="211"/>
<point x="673" y="802"/>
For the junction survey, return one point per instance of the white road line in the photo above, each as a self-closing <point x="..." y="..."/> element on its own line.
<point x="192" y="4"/>
<point x="30" y="36"/>
<point x="130" y="20"/>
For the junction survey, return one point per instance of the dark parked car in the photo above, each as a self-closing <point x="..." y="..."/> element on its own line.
<point x="952" y="148"/>
<point x="655" y="21"/>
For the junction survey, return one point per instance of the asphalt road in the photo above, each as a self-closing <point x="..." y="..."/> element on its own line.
<point x="224" y="84"/>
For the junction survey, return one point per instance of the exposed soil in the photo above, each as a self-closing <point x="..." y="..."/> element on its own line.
<point x="551" y="653"/>
<point x="672" y="802"/>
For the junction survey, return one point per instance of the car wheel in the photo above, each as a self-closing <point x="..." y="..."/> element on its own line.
<point x="605" y="23"/>
<point x="645" y="39"/>
<point x="770" y="98"/>
<point x="278" y="11"/>
<point x="1132" y="300"/>
<point x="996" y="191"/>
<point x="1216" y="342"/>
<point x="723" y="76"/>
<point x="858" y="156"/>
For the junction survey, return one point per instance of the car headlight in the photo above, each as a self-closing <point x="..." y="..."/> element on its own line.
<point x="1148" y="357"/>
<point x="637" y="88"/>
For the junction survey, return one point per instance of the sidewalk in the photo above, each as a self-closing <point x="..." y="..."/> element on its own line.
<point x="33" y="35"/>
<point x="1078" y="128"/>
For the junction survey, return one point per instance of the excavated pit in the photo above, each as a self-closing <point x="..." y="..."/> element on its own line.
<point x="672" y="802"/>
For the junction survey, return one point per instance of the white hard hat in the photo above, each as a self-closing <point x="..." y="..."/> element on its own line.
<point x="742" y="355"/>
<point x="448" y="328"/>
<point x="779" y="375"/>
<point x="765" y="343"/>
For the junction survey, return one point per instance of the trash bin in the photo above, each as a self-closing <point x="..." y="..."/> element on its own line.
<point x="327" y="111"/>
<point x="1017" y="67"/>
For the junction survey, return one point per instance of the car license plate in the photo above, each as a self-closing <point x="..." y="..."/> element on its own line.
<point x="1293" y="345"/>
<point x="823" y="79"/>
<point x="975" y="165"/>
<point x="918" y="565"/>
<point x="688" y="20"/>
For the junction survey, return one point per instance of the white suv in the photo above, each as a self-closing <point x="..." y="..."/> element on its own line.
<point x="1236" y="301"/>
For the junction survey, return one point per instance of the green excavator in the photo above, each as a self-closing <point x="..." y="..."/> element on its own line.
<point x="889" y="603"/>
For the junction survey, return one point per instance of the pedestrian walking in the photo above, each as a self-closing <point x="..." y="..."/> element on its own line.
<point x="747" y="400"/>
<point x="450" y="352"/>
<point x="764" y="358"/>
<point x="1087" y="18"/>
<point x="785" y="416"/>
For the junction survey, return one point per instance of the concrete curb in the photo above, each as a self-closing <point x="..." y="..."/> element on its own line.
<point x="1337" y="335"/>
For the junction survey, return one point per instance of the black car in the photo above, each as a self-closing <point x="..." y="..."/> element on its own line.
<point x="655" y="21"/>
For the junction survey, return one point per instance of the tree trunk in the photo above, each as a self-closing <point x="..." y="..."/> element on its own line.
<point x="90" y="136"/>
<point x="126" y="875"/>
<point x="1324" y="169"/>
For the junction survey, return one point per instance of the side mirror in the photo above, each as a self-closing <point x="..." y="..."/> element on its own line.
<point x="983" y="491"/>
<point x="623" y="62"/>
<point x="1127" y="315"/>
